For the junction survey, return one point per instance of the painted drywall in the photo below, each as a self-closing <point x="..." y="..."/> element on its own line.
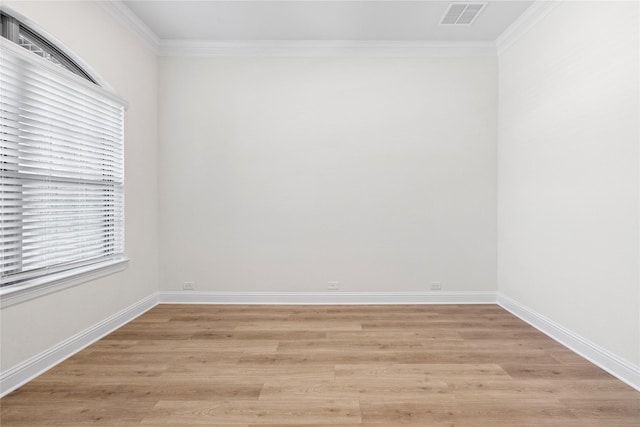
<point x="568" y="172"/>
<point x="283" y="174"/>
<point x="131" y="69"/>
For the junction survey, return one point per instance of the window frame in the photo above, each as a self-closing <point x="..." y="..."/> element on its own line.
<point x="74" y="69"/>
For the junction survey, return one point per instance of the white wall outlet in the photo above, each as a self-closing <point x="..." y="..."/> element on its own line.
<point x="188" y="286"/>
<point x="333" y="286"/>
<point x="436" y="286"/>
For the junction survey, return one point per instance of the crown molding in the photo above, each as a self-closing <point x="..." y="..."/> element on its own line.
<point x="131" y="22"/>
<point x="293" y="48"/>
<point x="326" y="48"/>
<point x="529" y="18"/>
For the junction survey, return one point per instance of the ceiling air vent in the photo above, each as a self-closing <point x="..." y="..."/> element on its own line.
<point x="462" y="13"/>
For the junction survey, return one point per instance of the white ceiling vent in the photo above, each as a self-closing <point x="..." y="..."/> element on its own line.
<point x="462" y="13"/>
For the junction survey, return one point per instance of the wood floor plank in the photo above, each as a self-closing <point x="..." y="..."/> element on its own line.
<point x="613" y="411"/>
<point x="264" y="372"/>
<point x="445" y="371"/>
<point x="69" y="412"/>
<point x="520" y="357"/>
<point x="257" y="412"/>
<point x="577" y="371"/>
<point x="502" y="412"/>
<point x="321" y="358"/>
<point x="149" y="390"/>
<point x="194" y="345"/>
<point x="392" y="388"/>
<point x="259" y="335"/>
<point x="285" y="325"/>
<point x="322" y="366"/>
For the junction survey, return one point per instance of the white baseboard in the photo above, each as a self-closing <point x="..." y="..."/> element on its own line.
<point x="330" y="298"/>
<point x="31" y="368"/>
<point x="597" y="355"/>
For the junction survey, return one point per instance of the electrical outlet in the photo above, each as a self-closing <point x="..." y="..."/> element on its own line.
<point x="188" y="286"/>
<point x="436" y="286"/>
<point x="333" y="286"/>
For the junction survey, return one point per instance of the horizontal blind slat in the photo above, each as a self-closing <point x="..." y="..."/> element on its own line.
<point x="26" y="77"/>
<point x="21" y="97"/>
<point x="62" y="171"/>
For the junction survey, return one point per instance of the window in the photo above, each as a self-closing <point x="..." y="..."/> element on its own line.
<point x="61" y="165"/>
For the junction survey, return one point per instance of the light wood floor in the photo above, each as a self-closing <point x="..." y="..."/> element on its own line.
<point x="428" y="365"/>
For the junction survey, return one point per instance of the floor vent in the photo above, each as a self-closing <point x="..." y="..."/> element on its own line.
<point x="462" y="13"/>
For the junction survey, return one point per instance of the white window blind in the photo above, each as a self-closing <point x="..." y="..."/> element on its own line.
<point x="61" y="170"/>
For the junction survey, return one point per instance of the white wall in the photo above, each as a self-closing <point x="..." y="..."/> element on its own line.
<point x="120" y="58"/>
<point x="568" y="172"/>
<point x="281" y="174"/>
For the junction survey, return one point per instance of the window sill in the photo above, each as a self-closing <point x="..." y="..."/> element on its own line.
<point x="56" y="282"/>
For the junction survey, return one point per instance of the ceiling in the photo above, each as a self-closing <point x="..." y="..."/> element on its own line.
<point x="373" y="20"/>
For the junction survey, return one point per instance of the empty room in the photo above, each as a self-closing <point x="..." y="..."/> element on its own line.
<point x="320" y="213"/>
